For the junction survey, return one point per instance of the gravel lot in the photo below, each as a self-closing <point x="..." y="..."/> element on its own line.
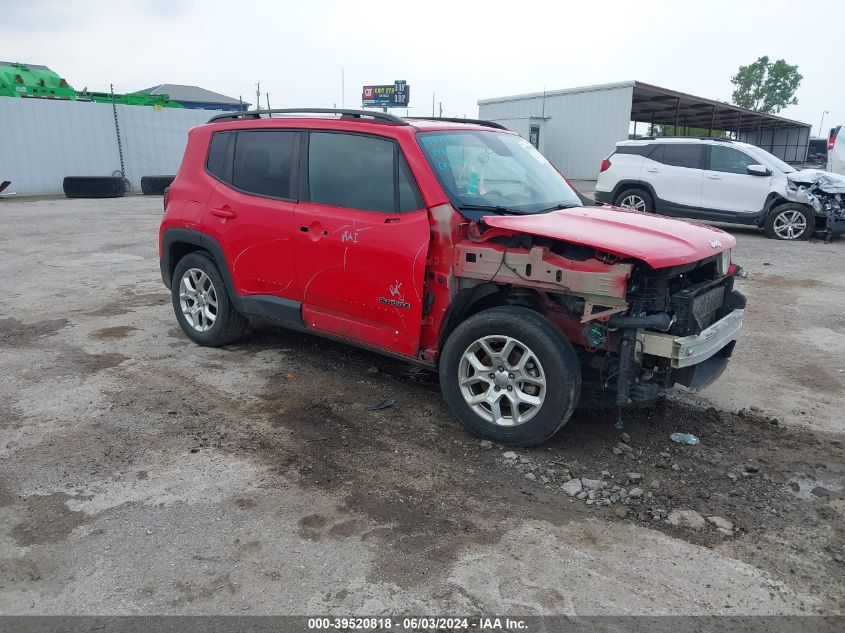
<point x="143" y="474"/>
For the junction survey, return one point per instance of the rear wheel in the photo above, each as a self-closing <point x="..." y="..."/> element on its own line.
<point x="202" y="304"/>
<point x="636" y="199"/>
<point x="790" y="221"/>
<point x="510" y="376"/>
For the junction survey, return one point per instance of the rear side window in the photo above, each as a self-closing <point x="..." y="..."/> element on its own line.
<point x="359" y="172"/>
<point x="679" y="155"/>
<point x="263" y="162"/>
<point x="217" y="154"/>
<point x="636" y="150"/>
<point x="730" y="160"/>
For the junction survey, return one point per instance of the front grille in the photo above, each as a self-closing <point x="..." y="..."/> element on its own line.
<point x="705" y="305"/>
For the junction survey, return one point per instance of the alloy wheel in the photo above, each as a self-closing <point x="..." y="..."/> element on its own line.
<point x="789" y="224"/>
<point x="198" y="299"/>
<point x="502" y="380"/>
<point x="634" y="202"/>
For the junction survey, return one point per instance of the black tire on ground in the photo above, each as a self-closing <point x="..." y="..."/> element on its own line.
<point x="554" y="353"/>
<point x="229" y="324"/>
<point x="155" y="185"/>
<point x="93" y="186"/>
<point x="635" y="192"/>
<point x="790" y="208"/>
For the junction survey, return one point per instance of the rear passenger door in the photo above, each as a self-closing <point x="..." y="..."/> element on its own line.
<point x="675" y="172"/>
<point x="362" y="239"/>
<point x="250" y="210"/>
<point x="729" y="191"/>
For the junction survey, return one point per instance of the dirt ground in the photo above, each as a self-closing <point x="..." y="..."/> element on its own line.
<point x="141" y="473"/>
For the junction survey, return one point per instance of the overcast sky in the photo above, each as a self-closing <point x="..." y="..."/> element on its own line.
<point x="461" y="51"/>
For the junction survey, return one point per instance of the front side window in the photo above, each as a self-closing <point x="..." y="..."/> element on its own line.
<point x="483" y="172"/>
<point x="730" y="160"/>
<point x="769" y="160"/>
<point x="359" y="172"/>
<point x="263" y="162"/>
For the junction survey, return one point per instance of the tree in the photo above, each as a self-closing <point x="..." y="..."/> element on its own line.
<point x="766" y="86"/>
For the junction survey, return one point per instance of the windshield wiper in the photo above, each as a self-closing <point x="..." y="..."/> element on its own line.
<point x="498" y="209"/>
<point x="558" y="207"/>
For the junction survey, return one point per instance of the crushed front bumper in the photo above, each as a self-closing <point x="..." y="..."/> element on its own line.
<point x="696" y="360"/>
<point x="684" y="351"/>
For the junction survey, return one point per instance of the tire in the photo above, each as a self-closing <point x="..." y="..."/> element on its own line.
<point x="193" y="274"/>
<point x="551" y="357"/>
<point x="788" y="219"/>
<point x="647" y="203"/>
<point x="93" y="187"/>
<point x="155" y="185"/>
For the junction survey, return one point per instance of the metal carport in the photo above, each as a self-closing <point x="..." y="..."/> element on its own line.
<point x="785" y="138"/>
<point x="576" y="127"/>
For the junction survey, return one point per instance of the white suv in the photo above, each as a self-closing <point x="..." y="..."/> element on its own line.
<point x="708" y="179"/>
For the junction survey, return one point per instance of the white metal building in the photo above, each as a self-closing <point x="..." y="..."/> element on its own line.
<point x="577" y="127"/>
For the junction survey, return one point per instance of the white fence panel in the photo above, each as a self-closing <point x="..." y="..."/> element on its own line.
<point x="43" y="141"/>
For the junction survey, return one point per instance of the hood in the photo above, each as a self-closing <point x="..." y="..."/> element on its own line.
<point x="825" y="181"/>
<point x="658" y="241"/>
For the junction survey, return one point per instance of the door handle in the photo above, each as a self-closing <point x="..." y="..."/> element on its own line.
<point x="224" y="212"/>
<point x="304" y="229"/>
<point x="653" y="170"/>
<point x="391" y="220"/>
<point x="714" y="176"/>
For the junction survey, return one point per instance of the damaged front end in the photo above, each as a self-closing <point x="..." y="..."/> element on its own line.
<point x="698" y="316"/>
<point x="825" y="193"/>
<point x="637" y="330"/>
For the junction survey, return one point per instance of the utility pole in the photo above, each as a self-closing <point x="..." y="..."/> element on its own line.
<point x="440" y="106"/>
<point x="821" y="125"/>
<point x="258" y="96"/>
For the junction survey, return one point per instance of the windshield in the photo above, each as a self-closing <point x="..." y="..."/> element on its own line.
<point x="493" y="172"/>
<point x="770" y="161"/>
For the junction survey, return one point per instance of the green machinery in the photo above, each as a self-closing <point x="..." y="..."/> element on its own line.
<point x="39" y="82"/>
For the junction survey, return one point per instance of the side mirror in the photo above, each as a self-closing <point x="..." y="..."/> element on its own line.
<point x="758" y="170"/>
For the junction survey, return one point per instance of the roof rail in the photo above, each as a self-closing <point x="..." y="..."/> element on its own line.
<point x="377" y="117"/>
<point x="690" y="138"/>
<point x="493" y="124"/>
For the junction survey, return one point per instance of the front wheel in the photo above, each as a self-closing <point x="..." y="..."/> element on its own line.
<point x="510" y="376"/>
<point x="790" y="222"/>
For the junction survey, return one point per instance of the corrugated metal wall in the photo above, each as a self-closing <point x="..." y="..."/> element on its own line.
<point x="577" y="128"/>
<point x="41" y="142"/>
<point x="787" y="143"/>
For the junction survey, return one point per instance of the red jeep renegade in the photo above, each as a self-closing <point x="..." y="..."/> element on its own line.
<point x="451" y="244"/>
